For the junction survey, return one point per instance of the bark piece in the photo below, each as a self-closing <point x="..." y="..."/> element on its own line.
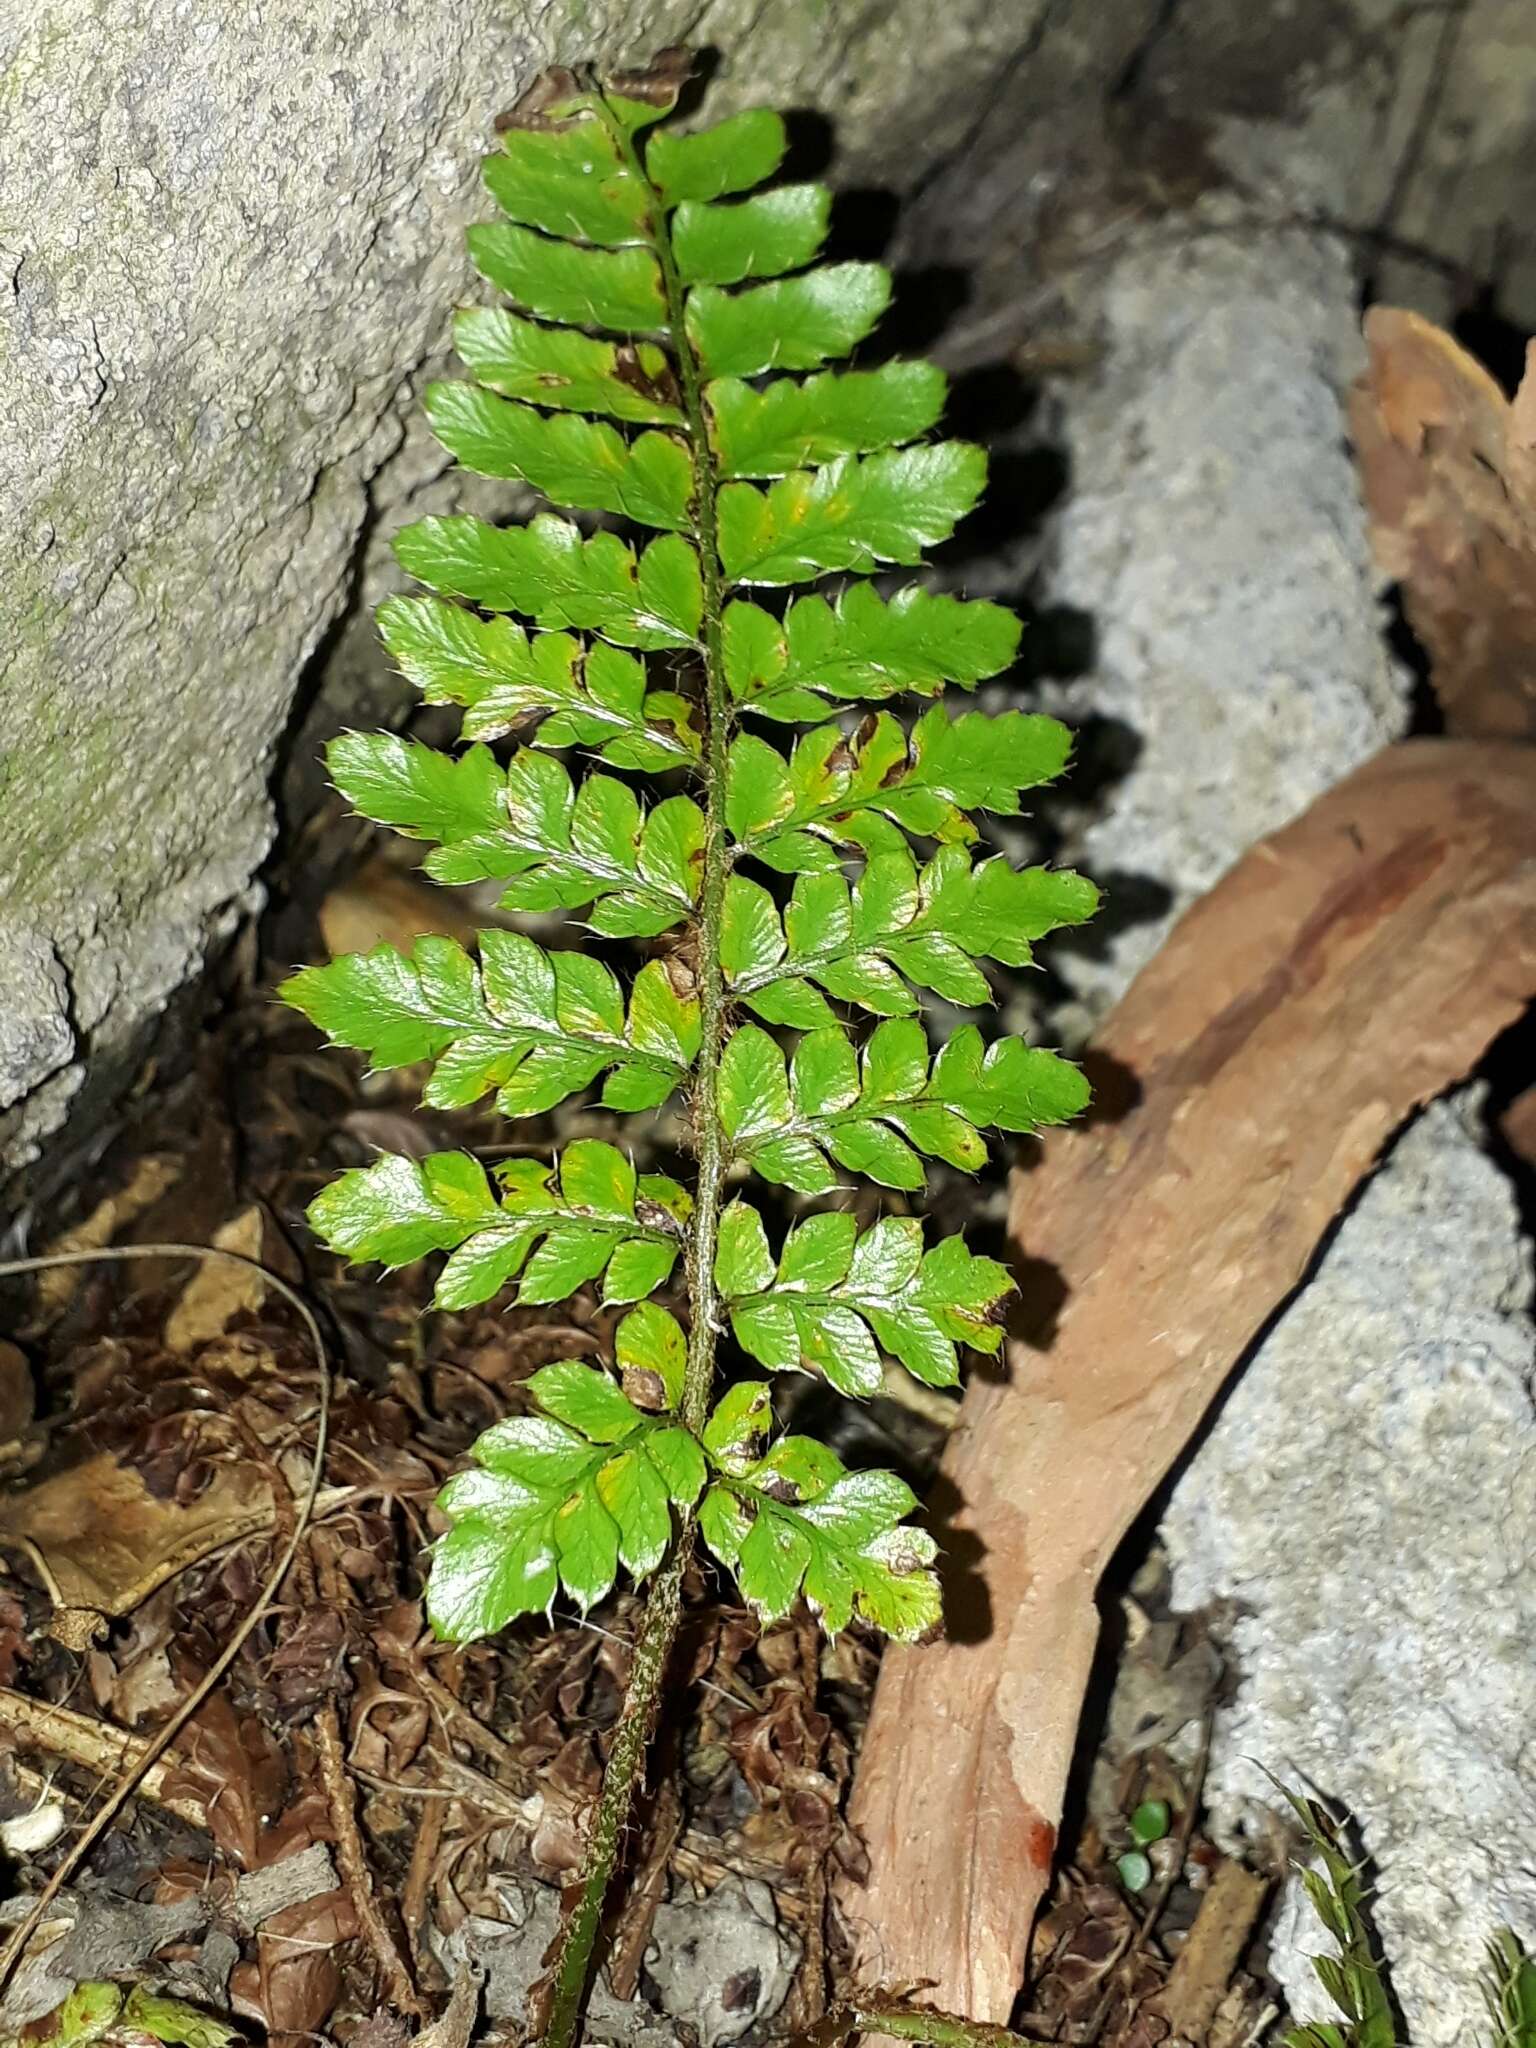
<point x="1203" y="1970"/>
<point x="1448" y="464"/>
<point x="1347" y="969"/>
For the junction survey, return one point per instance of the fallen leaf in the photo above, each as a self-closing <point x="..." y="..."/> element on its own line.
<point x="102" y="1542"/>
<point x="152" y="1177"/>
<point x="219" y="1290"/>
<point x="384" y="905"/>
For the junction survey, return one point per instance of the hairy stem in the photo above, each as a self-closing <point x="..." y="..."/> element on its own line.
<point x="663" y="1608"/>
<point x="902" y="2021"/>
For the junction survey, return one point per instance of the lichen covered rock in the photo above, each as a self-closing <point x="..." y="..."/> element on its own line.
<point x="1367" y="1504"/>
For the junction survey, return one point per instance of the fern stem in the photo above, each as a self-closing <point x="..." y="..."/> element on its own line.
<point x="663" y="1608"/>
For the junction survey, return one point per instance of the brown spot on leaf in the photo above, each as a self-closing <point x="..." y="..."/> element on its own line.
<point x="778" y="1488"/>
<point x="645" y="1388"/>
<point x="628" y="369"/>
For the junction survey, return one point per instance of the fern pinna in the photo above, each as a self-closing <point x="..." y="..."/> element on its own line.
<point x="637" y="373"/>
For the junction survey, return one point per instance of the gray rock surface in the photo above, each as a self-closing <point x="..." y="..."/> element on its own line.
<point x="228" y="237"/>
<point x="722" y="1962"/>
<point x="1367" y="1499"/>
<point x="1214" y="534"/>
<point x="508" y="1954"/>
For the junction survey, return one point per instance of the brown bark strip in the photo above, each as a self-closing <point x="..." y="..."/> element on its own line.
<point x="1345" y="971"/>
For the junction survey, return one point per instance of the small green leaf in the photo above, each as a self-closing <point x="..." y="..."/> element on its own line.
<point x="834" y="1298"/>
<point x="680" y="1463"/>
<point x="570" y="182"/>
<point x="862" y="645"/>
<point x="584" y="1399"/>
<point x="771" y="1564"/>
<point x="753" y="1088"/>
<point x="762" y="237"/>
<point x="636" y="1497"/>
<point x="617" y="289"/>
<point x="587" y="1545"/>
<point x="791" y="1520"/>
<point x="743" y="1264"/>
<point x="724" y="1524"/>
<point x="651" y="1349"/>
<point x="567" y="371"/>
<point x="1149" y="1823"/>
<point x="788" y="425"/>
<point x="758" y="792"/>
<point x="854" y="513"/>
<point x="573" y="461"/>
<point x="535" y="1026"/>
<point x="548" y="572"/>
<point x="733" y="156"/>
<point x="736" y="1434"/>
<point x="1135" y="1870"/>
<point x="794" y="323"/>
<point x="752" y="939"/>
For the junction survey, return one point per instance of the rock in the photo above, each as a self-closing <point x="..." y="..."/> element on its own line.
<point x="241" y="239"/>
<point x="722" y="1962"/>
<point x="510" y="1952"/>
<point x="1366" y="1500"/>
<point x="37" y="1039"/>
<point x="1214" y="534"/>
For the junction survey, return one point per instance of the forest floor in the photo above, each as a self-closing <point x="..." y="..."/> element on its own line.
<point x="355" y="1808"/>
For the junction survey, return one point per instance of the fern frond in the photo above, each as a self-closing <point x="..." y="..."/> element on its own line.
<point x="535" y="1026"/>
<point x="671" y="356"/>
<point x="589" y="1215"/>
<point x="791" y="1519"/>
<point x="885" y="783"/>
<point x="874" y="1115"/>
<point x="835" y="1298"/>
<point x="589" y="695"/>
<point x="861" y="645"/>
<point x="897" y="924"/>
<point x="552" y="574"/>
<point x="566" y="1496"/>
